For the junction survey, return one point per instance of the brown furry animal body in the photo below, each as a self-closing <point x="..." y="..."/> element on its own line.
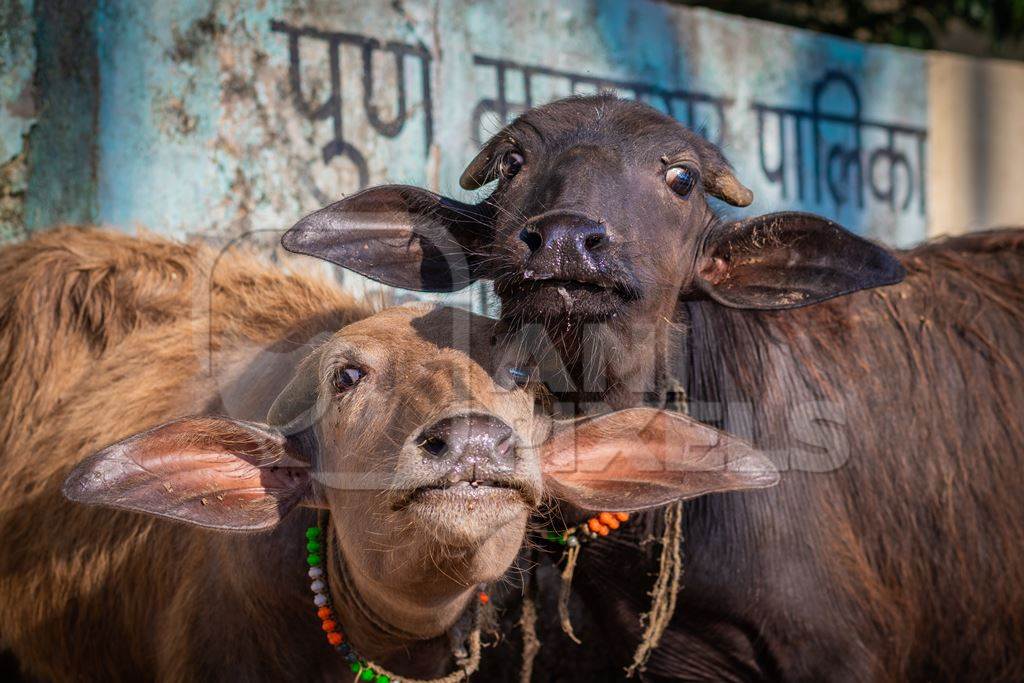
<point x="137" y="331"/>
<point x="404" y="428"/>
<point x="899" y="558"/>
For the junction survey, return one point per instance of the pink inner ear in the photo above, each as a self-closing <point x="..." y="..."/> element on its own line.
<point x="637" y="441"/>
<point x="198" y="473"/>
<point x="233" y="476"/>
<point x="643" y="457"/>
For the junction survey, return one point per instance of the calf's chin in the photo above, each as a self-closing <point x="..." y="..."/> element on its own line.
<point x="460" y="521"/>
<point x="486" y="550"/>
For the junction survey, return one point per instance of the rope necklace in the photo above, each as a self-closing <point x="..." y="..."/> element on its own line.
<point x="574" y="537"/>
<point x="364" y="669"/>
<point x="369" y="672"/>
<point x="663" y="595"/>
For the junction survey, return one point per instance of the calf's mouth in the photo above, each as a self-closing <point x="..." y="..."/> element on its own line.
<point x="528" y="296"/>
<point x="445" y="492"/>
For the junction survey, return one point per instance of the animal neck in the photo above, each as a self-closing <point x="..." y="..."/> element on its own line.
<point x="620" y="363"/>
<point x="413" y="621"/>
<point x="743" y="374"/>
<point x="712" y="344"/>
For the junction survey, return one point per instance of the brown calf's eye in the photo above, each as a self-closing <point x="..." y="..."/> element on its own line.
<point x="681" y="180"/>
<point x="346" y="378"/>
<point x="511" y="163"/>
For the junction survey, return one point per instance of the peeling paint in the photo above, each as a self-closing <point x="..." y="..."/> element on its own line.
<point x="17" y="112"/>
<point x="13" y="181"/>
<point x="185" y="44"/>
<point x="172" y="117"/>
<point x="17" y="65"/>
<point x="62" y="151"/>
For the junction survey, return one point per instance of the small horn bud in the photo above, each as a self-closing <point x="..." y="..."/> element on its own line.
<point x="726" y="187"/>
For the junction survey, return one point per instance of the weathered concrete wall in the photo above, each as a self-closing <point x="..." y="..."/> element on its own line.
<point x="17" y="111"/>
<point x="976" y="122"/>
<point x="235" y="117"/>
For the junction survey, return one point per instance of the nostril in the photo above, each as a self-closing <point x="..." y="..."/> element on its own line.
<point x="594" y="240"/>
<point x="434" y="445"/>
<point x="504" y="444"/>
<point x="531" y="238"/>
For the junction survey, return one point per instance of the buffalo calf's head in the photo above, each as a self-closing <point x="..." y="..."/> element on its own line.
<point x="424" y="444"/>
<point x="599" y="210"/>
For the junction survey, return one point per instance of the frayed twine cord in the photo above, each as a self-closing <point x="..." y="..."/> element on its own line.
<point x="467" y="667"/>
<point x="563" y="596"/>
<point x="666" y="588"/>
<point x="528" y="625"/>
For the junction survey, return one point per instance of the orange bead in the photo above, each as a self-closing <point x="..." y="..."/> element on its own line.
<point x="483" y="597"/>
<point x="622" y="516"/>
<point x="324" y="613"/>
<point x="594" y="525"/>
<point x="603" y="531"/>
<point x="608" y="519"/>
<point x="335" y="638"/>
<point x="330" y="625"/>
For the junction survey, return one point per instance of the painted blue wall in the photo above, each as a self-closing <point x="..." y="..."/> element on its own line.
<point x="204" y="116"/>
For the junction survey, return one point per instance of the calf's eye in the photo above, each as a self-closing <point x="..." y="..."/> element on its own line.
<point x="519" y="376"/>
<point x="681" y="179"/>
<point x="510" y="164"/>
<point x="347" y="377"/>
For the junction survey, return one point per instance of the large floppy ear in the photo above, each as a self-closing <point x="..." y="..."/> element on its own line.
<point x="207" y="471"/>
<point x="790" y="259"/>
<point x="399" y="235"/>
<point x="642" y="457"/>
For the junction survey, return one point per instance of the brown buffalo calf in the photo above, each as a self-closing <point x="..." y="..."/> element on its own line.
<point x="404" y="433"/>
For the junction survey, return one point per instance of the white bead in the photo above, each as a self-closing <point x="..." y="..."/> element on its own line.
<point x="320" y="600"/>
<point x="317" y="586"/>
<point x="315" y="572"/>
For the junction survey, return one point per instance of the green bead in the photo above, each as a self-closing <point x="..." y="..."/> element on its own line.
<point x="313" y="532"/>
<point x="381" y="678"/>
<point x="313" y="560"/>
<point x="312" y="546"/>
<point x="355" y="667"/>
<point x="367" y="675"/>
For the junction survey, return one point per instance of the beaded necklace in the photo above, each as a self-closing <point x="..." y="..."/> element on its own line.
<point x="600" y="525"/>
<point x="363" y="669"/>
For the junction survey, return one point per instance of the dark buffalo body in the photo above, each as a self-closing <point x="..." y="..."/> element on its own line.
<point x="892" y="405"/>
<point x="903" y="561"/>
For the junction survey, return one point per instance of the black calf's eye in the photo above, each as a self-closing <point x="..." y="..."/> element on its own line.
<point x="680" y="179"/>
<point x="519" y="376"/>
<point x="510" y="164"/>
<point x="346" y="378"/>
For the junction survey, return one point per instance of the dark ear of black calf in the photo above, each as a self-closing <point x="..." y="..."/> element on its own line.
<point x="398" y="235"/>
<point x="788" y="260"/>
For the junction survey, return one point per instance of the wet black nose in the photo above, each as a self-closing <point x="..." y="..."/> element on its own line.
<point x="470" y="440"/>
<point x="565" y="237"/>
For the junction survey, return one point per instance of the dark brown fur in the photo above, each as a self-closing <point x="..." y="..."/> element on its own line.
<point x="903" y="562"/>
